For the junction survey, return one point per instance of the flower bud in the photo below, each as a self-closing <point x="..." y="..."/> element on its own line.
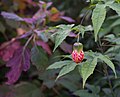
<point x="77" y="54"/>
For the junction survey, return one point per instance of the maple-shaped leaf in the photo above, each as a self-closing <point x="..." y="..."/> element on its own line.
<point x="18" y="63"/>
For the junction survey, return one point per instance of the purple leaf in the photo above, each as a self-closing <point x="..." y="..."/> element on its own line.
<point x="66" y="47"/>
<point x="48" y="4"/>
<point x="25" y="35"/>
<point x="18" y="63"/>
<point x="7" y="49"/>
<point x="67" y="19"/>
<point x="29" y="20"/>
<point x="45" y="5"/>
<point x="41" y="2"/>
<point x="40" y="14"/>
<point x="45" y="46"/>
<point x="11" y="16"/>
<point x="72" y="34"/>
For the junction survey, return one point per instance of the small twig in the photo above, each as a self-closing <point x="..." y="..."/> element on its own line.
<point x="110" y="45"/>
<point x="5" y="36"/>
<point x="27" y="42"/>
<point x="84" y="17"/>
<point x="78" y="35"/>
<point x="99" y="71"/>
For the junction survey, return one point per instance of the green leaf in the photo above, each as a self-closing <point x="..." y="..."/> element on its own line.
<point x="39" y="58"/>
<point x="27" y="90"/>
<point x="115" y="23"/>
<point x="13" y="24"/>
<point x="85" y="93"/>
<point x="82" y="29"/>
<point x="66" y="69"/>
<point x="2" y="28"/>
<point x="62" y="32"/>
<point x="59" y="64"/>
<point x="116" y="7"/>
<point x="93" y="88"/>
<point x="87" y="68"/>
<point x="5" y="90"/>
<point x="88" y="28"/>
<point x="98" y="17"/>
<point x="68" y="84"/>
<point x="108" y="62"/>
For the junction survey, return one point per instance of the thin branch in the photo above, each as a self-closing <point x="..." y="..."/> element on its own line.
<point x="111" y="45"/>
<point x="26" y="44"/>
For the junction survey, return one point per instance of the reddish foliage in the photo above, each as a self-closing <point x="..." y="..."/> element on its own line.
<point x="45" y="46"/>
<point x="7" y="49"/>
<point x="18" y="63"/>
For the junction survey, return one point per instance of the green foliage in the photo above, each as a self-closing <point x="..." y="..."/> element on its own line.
<point x="116" y="7"/>
<point x="59" y="64"/>
<point x="27" y="90"/>
<point x="82" y="29"/>
<point x="84" y="93"/>
<point x="98" y="17"/>
<point x="68" y="66"/>
<point x="2" y="28"/>
<point x="108" y="62"/>
<point x="66" y="69"/>
<point x="39" y="58"/>
<point x="62" y="32"/>
<point x="87" y="69"/>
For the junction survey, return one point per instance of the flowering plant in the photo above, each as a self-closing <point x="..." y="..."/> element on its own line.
<point x="42" y="49"/>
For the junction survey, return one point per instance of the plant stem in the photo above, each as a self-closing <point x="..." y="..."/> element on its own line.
<point x="78" y="38"/>
<point x="56" y="91"/>
<point x="5" y="36"/>
<point x="26" y="46"/>
<point x="27" y="42"/>
<point x="84" y="17"/>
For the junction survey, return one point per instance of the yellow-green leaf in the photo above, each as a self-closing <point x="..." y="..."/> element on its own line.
<point x="66" y="69"/>
<point x="87" y="68"/>
<point x="62" y="32"/>
<point x="115" y="7"/>
<point x="98" y="17"/>
<point x="59" y="64"/>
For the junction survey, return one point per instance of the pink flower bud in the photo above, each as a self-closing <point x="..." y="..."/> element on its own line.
<point x="77" y="57"/>
<point x="77" y="54"/>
